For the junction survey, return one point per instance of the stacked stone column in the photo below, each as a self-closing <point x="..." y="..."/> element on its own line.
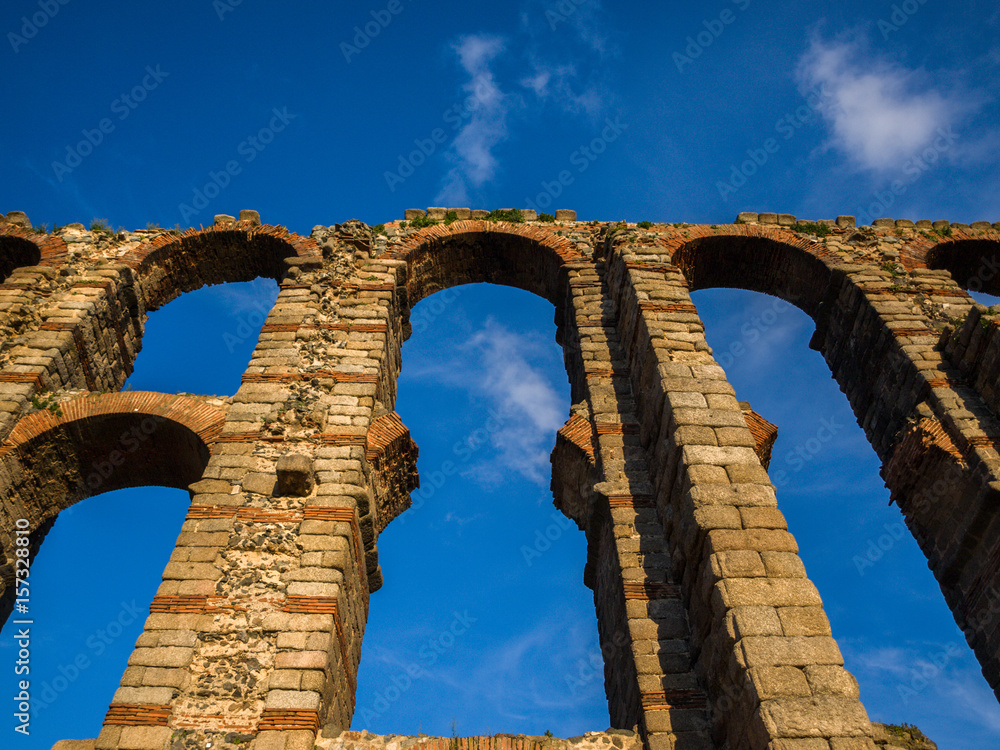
<point x="641" y="620"/>
<point x="256" y="630"/>
<point x="934" y="430"/>
<point x="761" y="640"/>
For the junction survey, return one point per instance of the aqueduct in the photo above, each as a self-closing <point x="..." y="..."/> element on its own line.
<point x="717" y="639"/>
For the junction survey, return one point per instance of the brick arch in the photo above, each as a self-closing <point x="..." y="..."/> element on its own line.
<point x="171" y="264"/>
<point x="972" y="259"/>
<point x="757" y="258"/>
<point x="97" y="444"/>
<point x="149" y="439"/>
<point x="469" y="252"/>
<point x="19" y="247"/>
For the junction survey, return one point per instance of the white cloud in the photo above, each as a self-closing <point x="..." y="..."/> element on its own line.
<point x="472" y="150"/>
<point x="531" y="409"/>
<point x="880" y="113"/>
<point x="559" y="82"/>
<point x="526" y="409"/>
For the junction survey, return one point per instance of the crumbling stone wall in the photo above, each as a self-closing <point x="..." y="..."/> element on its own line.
<point x="711" y="632"/>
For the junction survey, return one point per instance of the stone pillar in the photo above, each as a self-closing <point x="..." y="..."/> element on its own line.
<point x="762" y="641"/>
<point x="255" y="632"/>
<point x="643" y="628"/>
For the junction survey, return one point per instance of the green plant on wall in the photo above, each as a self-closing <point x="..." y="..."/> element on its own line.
<point x="47" y="402"/>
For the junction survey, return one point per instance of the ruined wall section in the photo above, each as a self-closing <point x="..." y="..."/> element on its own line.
<point x="712" y="634"/>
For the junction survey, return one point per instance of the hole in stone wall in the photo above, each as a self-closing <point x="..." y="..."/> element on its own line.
<point x="984" y="299"/>
<point x="483" y="618"/>
<point x="887" y="612"/>
<point x="90" y="588"/>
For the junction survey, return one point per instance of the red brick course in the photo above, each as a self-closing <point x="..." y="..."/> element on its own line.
<point x="202" y="419"/>
<point x="49" y="249"/>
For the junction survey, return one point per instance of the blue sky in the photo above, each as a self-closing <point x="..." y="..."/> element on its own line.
<point x="316" y="114"/>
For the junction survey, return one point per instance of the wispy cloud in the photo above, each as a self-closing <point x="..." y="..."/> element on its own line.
<point x="532" y="407"/>
<point x="472" y="150"/>
<point x="556" y="57"/>
<point x="257" y="296"/>
<point x="926" y="678"/>
<point x="567" y="48"/>
<point x="507" y="369"/>
<point x="509" y="667"/>
<point x="880" y="112"/>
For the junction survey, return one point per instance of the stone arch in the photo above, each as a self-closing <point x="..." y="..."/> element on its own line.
<point x="600" y="477"/>
<point x="972" y="259"/>
<point x="19" y="247"/>
<point x="170" y="264"/>
<point x="756" y="258"/>
<point x="469" y="252"/>
<point x="92" y="444"/>
<point x="903" y="382"/>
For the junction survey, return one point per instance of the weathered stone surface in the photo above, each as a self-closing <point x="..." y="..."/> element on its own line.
<point x="295" y="475"/>
<point x="19" y="219"/>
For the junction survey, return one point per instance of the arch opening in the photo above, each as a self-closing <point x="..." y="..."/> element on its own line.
<point x="93" y="444"/>
<point x="201" y="341"/>
<point x="973" y="263"/>
<point x="89" y="595"/>
<point x="468" y="252"/>
<point x="756" y="264"/>
<point x="16" y="252"/>
<point x="170" y="265"/>
<point x="485" y="418"/>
